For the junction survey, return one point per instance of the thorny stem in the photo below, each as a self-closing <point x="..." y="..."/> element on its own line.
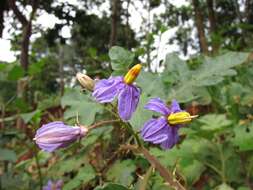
<point x="168" y="176"/>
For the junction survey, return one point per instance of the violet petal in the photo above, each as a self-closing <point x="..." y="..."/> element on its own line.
<point x="127" y="101"/>
<point x="106" y="89"/>
<point x="155" y="130"/>
<point x="157" y="105"/>
<point x="173" y="138"/>
<point x="175" y="107"/>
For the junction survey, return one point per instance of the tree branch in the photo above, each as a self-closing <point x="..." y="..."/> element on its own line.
<point x="19" y="15"/>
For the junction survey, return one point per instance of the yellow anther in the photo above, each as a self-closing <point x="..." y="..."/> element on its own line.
<point x="132" y="74"/>
<point x="180" y="118"/>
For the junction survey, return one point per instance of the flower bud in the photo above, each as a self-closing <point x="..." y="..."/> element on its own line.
<point x="85" y="81"/>
<point x="57" y="135"/>
<point x="182" y="117"/>
<point x="132" y="74"/>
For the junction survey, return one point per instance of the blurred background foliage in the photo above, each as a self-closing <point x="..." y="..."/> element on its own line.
<point x="211" y="74"/>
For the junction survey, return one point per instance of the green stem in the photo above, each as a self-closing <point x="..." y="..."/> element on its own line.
<point x="39" y="170"/>
<point x="222" y="163"/>
<point x="214" y="169"/>
<point x="144" y="181"/>
<point x="130" y="129"/>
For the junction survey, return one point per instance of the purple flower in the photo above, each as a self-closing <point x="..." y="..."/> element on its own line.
<point x="164" y="130"/>
<point x="53" y="185"/>
<point x="128" y="94"/>
<point x="57" y="135"/>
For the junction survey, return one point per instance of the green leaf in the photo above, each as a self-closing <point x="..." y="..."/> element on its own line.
<point x="141" y="115"/>
<point x="212" y="122"/>
<point x="27" y="117"/>
<point x="151" y="84"/>
<point x="223" y="186"/>
<point x="111" y="186"/>
<point x="8" y="155"/>
<point x="16" y="73"/>
<point x="36" y="68"/>
<point x="81" y="104"/>
<point x="243" y="137"/>
<point x="84" y="175"/>
<point x="185" y="158"/>
<point x="243" y="188"/>
<point x="121" y="172"/>
<point x="186" y="82"/>
<point x="120" y="59"/>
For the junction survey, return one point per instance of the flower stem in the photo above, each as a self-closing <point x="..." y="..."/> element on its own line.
<point x="101" y="123"/>
<point x="39" y="170"/>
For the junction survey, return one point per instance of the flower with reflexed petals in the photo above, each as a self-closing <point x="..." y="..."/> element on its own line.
<point x="57" y="135"/>
<point x="164" y="130"/>
<point x="128" y="94"/>
<point x="53" y="185"/>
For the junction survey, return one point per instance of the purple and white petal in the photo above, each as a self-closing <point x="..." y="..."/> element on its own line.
<point x="56" y="135"/>
<point x="175" y="107"/>
<point x="172" y="139"/>
<point x="155" y="130"/>
<point x="128" y="100"/>
<point x="106" y="89"/>
<point x="157" y="105"/>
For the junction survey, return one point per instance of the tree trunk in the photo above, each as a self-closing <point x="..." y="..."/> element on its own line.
<point x="213" y="26"/>
<point x="200" y="27"/>
<point x="26" y="30"/>
<point x="249" y="11"/>
<point x="114" y="19"/>
<point x="24" y="57"/>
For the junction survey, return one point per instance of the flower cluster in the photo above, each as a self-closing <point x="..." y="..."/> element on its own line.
<point x="162" y="130"/>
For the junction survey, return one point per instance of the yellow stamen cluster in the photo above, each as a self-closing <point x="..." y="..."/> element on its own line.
<point x="132" y="74"/>
<point x="182" y="117"/>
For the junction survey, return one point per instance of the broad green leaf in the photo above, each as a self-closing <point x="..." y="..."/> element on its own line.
<point x="76" y="102"/>
<point x="212" y="122"/>
<point x="8" y="155"/>
<point x="186" y="82"/>
<point x="84" y="175"/>
<point x="141" y="115"/>
<point x="151" y="84"/>
<point x="243" y="188"/>
<point x="122" y="172"/>
<point x="185" y="158"/>
<point x="120" y="59"/>
<point x="243" y="137"/>
<point x="111" y="186"/>
<point x="36" y="68"/>
<point x="16" y="73"/>
<point x="2" y="66"/>
<point x="27" y="117"/>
